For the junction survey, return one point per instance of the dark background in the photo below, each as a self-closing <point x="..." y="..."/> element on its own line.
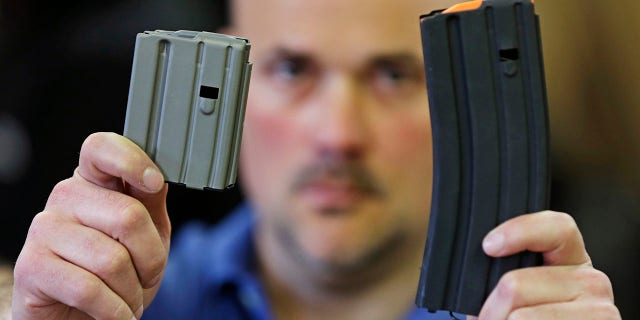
<point x="64" y="73"/>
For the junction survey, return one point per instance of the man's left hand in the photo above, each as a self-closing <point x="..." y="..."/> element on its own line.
<point x="567" y="286"/>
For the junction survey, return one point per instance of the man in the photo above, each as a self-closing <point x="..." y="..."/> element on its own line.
<point x="336" y="162"/>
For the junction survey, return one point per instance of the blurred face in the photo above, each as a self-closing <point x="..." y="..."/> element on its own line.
<point x="337" y="145"/>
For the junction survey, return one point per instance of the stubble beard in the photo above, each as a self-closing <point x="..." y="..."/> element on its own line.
<point x="353" y="268"/>
<point x="345" y="271"/>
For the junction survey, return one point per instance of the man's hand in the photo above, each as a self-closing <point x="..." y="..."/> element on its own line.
<point x="566" y="287"/>
<point x="99" y="248"/>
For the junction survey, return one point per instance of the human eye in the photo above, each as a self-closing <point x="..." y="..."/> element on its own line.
<point x="287" y="74"/>
<point x="396" y="77"/>
<point x="291" y="69"/>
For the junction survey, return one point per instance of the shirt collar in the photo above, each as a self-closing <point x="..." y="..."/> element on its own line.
<point x="233" y="256"/>
<point x="233" y="265"/>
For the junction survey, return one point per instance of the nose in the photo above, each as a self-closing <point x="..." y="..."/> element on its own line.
<point x="342" y="119"/>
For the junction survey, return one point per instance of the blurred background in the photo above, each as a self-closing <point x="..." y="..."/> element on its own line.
<point x="64" y="73"/>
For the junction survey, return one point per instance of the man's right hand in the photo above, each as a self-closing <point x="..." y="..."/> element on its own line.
<point x="99" y="248"/>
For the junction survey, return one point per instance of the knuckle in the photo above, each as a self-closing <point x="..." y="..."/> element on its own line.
<point x="27" y="265"/>
<point x="43" y="223"/>
<point x="509" y="287"/>
<point x="91" y="141"/>
<point x="28" y="302"/>
<point x="97" y="138"/>
<point x="152" y="268"/>
<point x="155" y="267"/>
<point x="61" y="192"/>
<point x="38" y="225"/>
<point x="165" y="228"/>
<point x="566" y="221"/>
<point x="133" y="217"/>
<point x="113" y="263"/>
<point x="607" y="311"/>
<point x="84" y="290"/>
<point x="596" y="282"/>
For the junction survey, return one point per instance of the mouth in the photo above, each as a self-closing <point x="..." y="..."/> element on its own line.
<point x="332" y="195"/>
<point x="336" y="186"/>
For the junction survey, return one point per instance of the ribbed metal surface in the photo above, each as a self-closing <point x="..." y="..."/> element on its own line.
<point x="187" y="102"/>
<point x="490" y="130"/>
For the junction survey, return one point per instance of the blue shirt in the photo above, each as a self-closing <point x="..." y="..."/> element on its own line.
<point x="211" y="274"/>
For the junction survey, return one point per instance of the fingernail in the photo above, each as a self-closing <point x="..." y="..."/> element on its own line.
<point x="493" y="242"/>
<point x="138" y="314"/>
<point x="152" y="179"/>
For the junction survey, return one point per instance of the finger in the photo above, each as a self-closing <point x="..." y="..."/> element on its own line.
<point x="97" y="253"/>
<point x="48" y="278"/>
<point x="156" y="205"/>
<point x="543" y="285"/>
<point x="576" y="310"/>
<point x="554" y="234"/>
<point x="120" y="217"/>
<point x="108" y="158"/>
